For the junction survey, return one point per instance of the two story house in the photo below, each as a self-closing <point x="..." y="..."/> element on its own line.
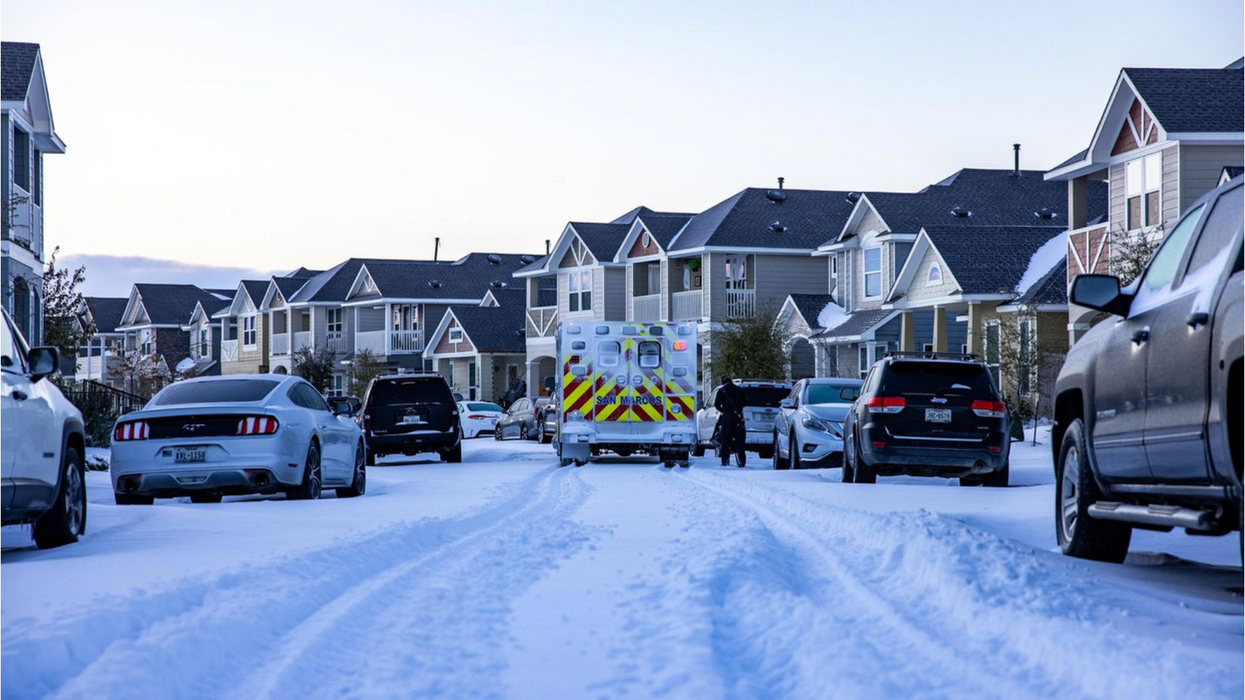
<point x="1165" y="138"/>
<point x="244" y="347"/>
<point x="203" y="336"/>
<point x="480" y="350"/>
<point x="26" y="134"/>
<point x="155" y="338"/>
<point x="97" y="360"/>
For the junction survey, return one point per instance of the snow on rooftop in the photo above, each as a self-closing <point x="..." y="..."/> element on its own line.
<point x="1044" y="258"/>
<point x="831" y="316"/>
<point x="185" y="365"/>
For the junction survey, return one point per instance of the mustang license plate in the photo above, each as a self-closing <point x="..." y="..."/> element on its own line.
<point x="937" y="415"/>
<point x="183" y="455"/>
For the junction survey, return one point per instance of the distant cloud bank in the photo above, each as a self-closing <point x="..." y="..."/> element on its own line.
<point x="113" y="275"/>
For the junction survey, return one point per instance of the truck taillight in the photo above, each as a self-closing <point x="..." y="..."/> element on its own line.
<point x="989" y="409"/>
<point x="136" y="430"/>
<point x="886" y="404"/>
<point x="257" y="425"/>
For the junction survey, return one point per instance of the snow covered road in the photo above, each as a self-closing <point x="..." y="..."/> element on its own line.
<point x="506" y="576"/>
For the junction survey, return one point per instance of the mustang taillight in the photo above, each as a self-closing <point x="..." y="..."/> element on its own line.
<point x="257" y="425"/>
<point x="989" y="409"/>
<point x="886" y="404"/>
<point x="130" y="431"/>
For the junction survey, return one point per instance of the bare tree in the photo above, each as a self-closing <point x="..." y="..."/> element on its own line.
<point x="1028" y="361"/>
<point x="65" y="327"/>
<point x="1131" y="251"/>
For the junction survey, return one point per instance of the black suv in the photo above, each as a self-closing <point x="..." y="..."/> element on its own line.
<point x="928" y="415"/>
<point x="1148" y="403"/>
<point x="411" y="413"/>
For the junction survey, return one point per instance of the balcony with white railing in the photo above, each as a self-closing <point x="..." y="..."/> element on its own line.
<point x="686" y="306"/>
<point x="741" y="303"/>
<point x="280" y="343"/>
<point x="229" y="350"/>
<point x="389" y="342"/>
<point x="646" y="308"/>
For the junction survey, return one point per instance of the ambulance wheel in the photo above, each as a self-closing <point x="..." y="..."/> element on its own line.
<point x="668" y="464"/>
<point x="564" y="462"/>
<point x="699" y="450"/>
<point x="580" y="462"/>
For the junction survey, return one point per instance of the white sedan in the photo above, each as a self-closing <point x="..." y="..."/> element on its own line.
<point x="808" y="430"/>
<point x="238" y="434"/>
<point x="479" y="417"/>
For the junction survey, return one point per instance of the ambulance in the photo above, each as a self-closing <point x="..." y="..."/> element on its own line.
<point x="626" y="388"/>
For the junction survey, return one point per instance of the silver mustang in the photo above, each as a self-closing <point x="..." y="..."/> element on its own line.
<point x="237" y="434"/>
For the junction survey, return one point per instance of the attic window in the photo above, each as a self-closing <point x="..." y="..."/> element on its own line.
<point x="646" y="240"/>
<point x="934" y="278"/>
<point x="961" y="213"/>
<point x="456" y="335"/>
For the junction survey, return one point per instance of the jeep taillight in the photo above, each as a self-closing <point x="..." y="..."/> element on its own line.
<point x="136" y="430"/>
<point x="886" y="404"/>
<point x="989" y="409"/>
<point x="257" y="425"/>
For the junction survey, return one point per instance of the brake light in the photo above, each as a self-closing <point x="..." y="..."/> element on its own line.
<point x="886" y="404"/>
<point x="989" y="409"/>
<point x="257" y="425"/>
<point x="130" y="431"/>
<point x="477" y="416"/>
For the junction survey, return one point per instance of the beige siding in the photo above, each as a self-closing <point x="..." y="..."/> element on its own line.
<point x="872" y="222"/>
<point x="919" y="288"/>
<point x="780" y="275"/>
<point x="1200" y="167"/>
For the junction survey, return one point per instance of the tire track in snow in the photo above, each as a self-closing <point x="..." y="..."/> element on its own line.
<point x="174" y="642"/>
<point x="392" y="628"/>
<point x="968" y="594"/>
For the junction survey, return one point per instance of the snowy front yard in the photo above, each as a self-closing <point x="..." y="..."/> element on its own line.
<point x="506" y="576"/>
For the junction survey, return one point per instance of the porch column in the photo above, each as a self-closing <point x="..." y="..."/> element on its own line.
<point x="940" y="329"/>
<point x="385" y="324"/>
<point x="907" y="332"/>
<point x="974" y="328"/>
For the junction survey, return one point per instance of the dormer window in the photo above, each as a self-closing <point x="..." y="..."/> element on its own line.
<point x="934" y="278"/>
<point x="873" y="272"/>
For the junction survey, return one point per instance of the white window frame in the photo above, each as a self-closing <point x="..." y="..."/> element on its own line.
<point x="249" y="329"/>
<point x="1143" y="176"/>
<point x="579" y="291"/>
<point x="146" y="341"/>
<point x="401" y="321"/>
<point x="338" y="387"/>
<point x="646" y="240"/>
<point x="934" y="277"/>
<point x="205" y="342"/>
<point x="866" y="272"/>
<point x="334" y="322"/>
<point x="456" y="335"/>
<point x="927" y="347"/>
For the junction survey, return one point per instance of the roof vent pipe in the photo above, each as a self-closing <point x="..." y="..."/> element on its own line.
<point x="547" y="251"/>
<point x="1016" y="159"/>
<point x="780" y="181"/>
<point x="436" y="247"/>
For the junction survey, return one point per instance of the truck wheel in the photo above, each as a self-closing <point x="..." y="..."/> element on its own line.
<point x="699" y="449"/>
<point x="370" y="457"/>
<point x="66" y="520"/>
<point x="1080" y="535"/>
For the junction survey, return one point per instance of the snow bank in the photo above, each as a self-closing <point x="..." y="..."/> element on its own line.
<point x="1044" y="258"/>
<point x="831" y="316"/>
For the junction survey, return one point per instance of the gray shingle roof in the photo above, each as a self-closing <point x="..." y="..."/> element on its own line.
<point x="495" y="328"/>
<point x="602" y="239"/>
<point x="467" y="278"/>
<point x="1051" y="289"/>
<point x="857" y="323"/>
<point x="334" y="283"/>
<point x="1193" y="99"/>
<point x="17" y="63"/>
<point x="1011" y="248"/>
<point x="107" y="312"/>
<point x="810" y="306"/>
<point x="664" y="228"/>
<point x="641" y="212"/>
<point x="289" y="285"/>
<point x="256" y="289"/>
<point x="536" y="264"/>
<point x="172" y="303"/>
<point x="807" y="217"/>
<point x="992" y="198"/>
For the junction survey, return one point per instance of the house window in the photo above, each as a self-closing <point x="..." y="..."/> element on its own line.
<point x="471" y="380"/>
<point x="338" y="387"/>
<point x="248" y="332"/>
<point x="405" y="317"/>
<point x="456" y="335"/>
<point x="579" y="285"/>
<point x="935" y="276"/>
<point x="873" y="272"/>
<point x="654" y="279"/>
<point x="36" y="180"/>
<point x="21" y="159"/>
<point x="864" y="360"/>
<point x="205" y="343"/>
<point x="146" y="341"/>
<point x="1143" y="182"/>
<point x="992" y="350"/>
<point x="333" y="322"/>
<point x="646" y="240"/>
<point x="1025" y="380"/>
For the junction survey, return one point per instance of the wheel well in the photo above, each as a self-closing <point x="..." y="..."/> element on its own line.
<point x="1069" y="406"/>
<point x="1235" y="399"/>
<point x="77" y="442"/>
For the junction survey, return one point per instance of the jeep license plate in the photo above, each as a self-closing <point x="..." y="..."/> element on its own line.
<point x="185" y="455"/>
<point x="937" y="415"/>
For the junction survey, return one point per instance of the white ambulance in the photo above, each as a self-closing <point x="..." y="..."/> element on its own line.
<point x="626" y="388"/>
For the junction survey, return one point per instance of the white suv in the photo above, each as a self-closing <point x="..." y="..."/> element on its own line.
<point x="41" y="446"/>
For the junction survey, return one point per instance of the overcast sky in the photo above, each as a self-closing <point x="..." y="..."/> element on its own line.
<point x="270" y="135"/>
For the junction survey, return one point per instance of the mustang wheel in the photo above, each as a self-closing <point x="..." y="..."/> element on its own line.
<point x="358" y="484"/>
<point x="310" y="488"/>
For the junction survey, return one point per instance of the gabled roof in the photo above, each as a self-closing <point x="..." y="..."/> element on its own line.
<point x="333" y="284"/>
<point x="1052" y="288"/>
<point x="168" y="304"/>
<point x="798" y="220"/>
<point x="106" y="312"/>
<point x="1193" y="100"/>
<point x="858" y="324"/>
<point x="17" y="65"/>
<point x="208" y="309"/>
<point x="810" y="306"/>
<point x="603" y="240"/>
<point x="493" y="329"/>
<point x="1010" y="251"/>
<point x="990" y="198"/>
<point x="639" y="212"/>
<point x="466" y="278"/>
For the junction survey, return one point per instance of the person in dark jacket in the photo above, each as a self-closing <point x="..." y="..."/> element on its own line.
<point x="730" y="405"/>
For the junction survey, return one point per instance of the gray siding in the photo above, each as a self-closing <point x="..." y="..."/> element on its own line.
<point x="1200" y="167"/>
<point x="611" y="299"/>
<point x="780" y="275"/>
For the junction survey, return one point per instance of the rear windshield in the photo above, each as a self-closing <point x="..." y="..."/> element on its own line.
<point x="767" y="396"/>
<point x="218" y="391"/>
<point x="484" y="407"/>
<point x="831" y="393"/>
<point x="410" y="391"/>
<point x="937" y="378"/>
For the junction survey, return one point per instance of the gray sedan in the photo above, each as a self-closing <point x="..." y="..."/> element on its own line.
<point x="809" y="427"/>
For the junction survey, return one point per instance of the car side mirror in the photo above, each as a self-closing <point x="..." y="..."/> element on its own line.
<point x="342" y="407"/>
<point x="787" y="403"/>
<point x="42" y="361"/>
<point x="1101" y="292"/>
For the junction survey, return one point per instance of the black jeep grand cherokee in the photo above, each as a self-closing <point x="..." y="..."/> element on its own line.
<point x="411" y="413"/>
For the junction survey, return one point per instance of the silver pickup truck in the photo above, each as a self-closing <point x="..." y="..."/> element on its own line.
<point x="1148" y="403"/>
